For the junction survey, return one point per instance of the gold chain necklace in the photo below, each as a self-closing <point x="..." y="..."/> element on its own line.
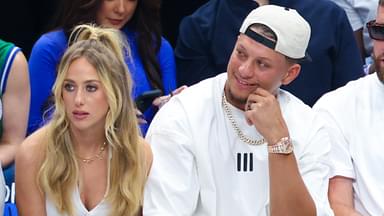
<point x="239" y="133"/>
<point x="96" y="156"/>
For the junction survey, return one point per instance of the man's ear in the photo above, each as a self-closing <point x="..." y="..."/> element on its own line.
<point x="293" y="72"/>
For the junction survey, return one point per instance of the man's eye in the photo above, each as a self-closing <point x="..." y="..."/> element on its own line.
<point x="69" y="87"/>
<point x="240" y="53"/>
<point x="262" y="64"/>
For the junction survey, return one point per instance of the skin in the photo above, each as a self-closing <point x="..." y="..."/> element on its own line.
<point x="86" y="107"/>
<point x="15" y="104"/>
<point x="255" y="73"/>
<point x="116" y="13"/>
<point x="340" y="192"/>
<point x="84" y="97"/>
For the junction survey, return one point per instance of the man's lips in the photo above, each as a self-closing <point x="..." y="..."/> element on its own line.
<point x="244" y="83"/>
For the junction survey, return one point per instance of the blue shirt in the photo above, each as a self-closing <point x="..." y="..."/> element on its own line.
<point x="46" y="55"/>
<point x="207" y="38"/>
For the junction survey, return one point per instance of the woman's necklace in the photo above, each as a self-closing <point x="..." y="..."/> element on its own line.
<point x="99" y="155"/>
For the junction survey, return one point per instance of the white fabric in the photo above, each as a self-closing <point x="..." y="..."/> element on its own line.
<point x="2" y="189"/>
<point x="356" y="114"/>
<point x="103" y="208"/>
<point x="195" y="149"/>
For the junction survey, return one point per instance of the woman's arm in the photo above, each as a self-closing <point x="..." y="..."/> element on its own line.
<point x="29" y="198"/>
<point x="16" y="101"/>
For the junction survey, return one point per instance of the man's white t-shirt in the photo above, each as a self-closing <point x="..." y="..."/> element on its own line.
<point x="355" y="114"/>
<point x="201" y="167"/>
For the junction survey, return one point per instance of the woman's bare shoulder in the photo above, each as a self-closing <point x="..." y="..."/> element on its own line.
<point x="32" y="148"/>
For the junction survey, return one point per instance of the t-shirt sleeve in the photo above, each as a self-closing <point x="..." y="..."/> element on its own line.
<point x="341" y="160"/>
<point x="172" y="187"/>
<point x="313" y="162"/>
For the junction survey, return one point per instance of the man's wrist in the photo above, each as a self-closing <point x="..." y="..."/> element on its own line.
<point x="283" y="146"/>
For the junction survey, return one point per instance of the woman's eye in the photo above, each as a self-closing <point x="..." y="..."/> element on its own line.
<point x="91" y="88"/>
<point x="69" y="87"/>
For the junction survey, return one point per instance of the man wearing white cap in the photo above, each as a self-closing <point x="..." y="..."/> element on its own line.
<point x="237" y="144"/>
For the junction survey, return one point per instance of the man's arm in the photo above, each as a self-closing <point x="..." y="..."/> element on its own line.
<point x="15" y="103"/>
<point x="172" y="186"/>
<point x="288" y="193"/>
<point x="341" y="196"/>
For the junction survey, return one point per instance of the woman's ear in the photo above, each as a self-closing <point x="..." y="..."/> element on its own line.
<point x="293" y="72"/>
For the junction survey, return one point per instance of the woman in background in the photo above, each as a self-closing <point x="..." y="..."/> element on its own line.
<point x="151" y="60"/>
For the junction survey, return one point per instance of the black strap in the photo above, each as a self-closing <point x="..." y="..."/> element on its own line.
<point x="261" y="39"/>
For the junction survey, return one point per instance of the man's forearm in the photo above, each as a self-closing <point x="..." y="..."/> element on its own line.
<point x="289" y="195"/>
<point x="343" y="210"/>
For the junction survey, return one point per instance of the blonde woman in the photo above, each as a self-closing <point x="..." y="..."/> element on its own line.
<point x="90" y="158"/>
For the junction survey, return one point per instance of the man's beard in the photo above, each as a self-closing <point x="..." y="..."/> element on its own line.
<point x="233" y="99"/>
<point x="379" y="65"/>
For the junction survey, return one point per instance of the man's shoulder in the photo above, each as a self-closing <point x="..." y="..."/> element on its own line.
<point x="204" y="91"/>
<point x="349" y="92"/>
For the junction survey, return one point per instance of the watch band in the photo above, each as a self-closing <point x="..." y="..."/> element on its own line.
<point x="283" y="146"/>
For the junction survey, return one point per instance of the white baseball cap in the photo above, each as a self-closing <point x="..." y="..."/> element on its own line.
<point x="292" y="30"/>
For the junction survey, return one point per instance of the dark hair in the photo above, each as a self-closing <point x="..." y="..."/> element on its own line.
<point x="145" y="22"/>
<point x="381" y="2"/>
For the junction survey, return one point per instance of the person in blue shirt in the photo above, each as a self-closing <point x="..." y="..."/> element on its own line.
<point x="207" y="37"/>
<point x="151" y="60"/>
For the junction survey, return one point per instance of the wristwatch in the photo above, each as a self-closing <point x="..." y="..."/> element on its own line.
<point x="283" y="146"/>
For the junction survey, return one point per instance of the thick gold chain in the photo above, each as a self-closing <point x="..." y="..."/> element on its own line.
<point x="235" y="126"/>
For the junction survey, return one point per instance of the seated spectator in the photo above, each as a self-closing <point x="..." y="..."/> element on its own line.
<point x="206" y="39"/>
<point x="90" y="158"/>
<point x="355" y="115"/>
<point x="15" y="99"/>
<point x="151" y="60"/>
<point x="359" y="12"/>
<point x="237" y="144"/>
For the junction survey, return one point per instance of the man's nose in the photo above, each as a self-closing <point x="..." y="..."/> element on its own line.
<point x="246" y="69"/>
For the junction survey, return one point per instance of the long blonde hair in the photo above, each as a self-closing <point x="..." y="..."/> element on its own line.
<point x="59" y="172"/>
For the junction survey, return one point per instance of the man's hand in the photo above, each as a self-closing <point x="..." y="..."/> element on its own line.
<point x="263" y="111"/>
<point x="160" y="101"/>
